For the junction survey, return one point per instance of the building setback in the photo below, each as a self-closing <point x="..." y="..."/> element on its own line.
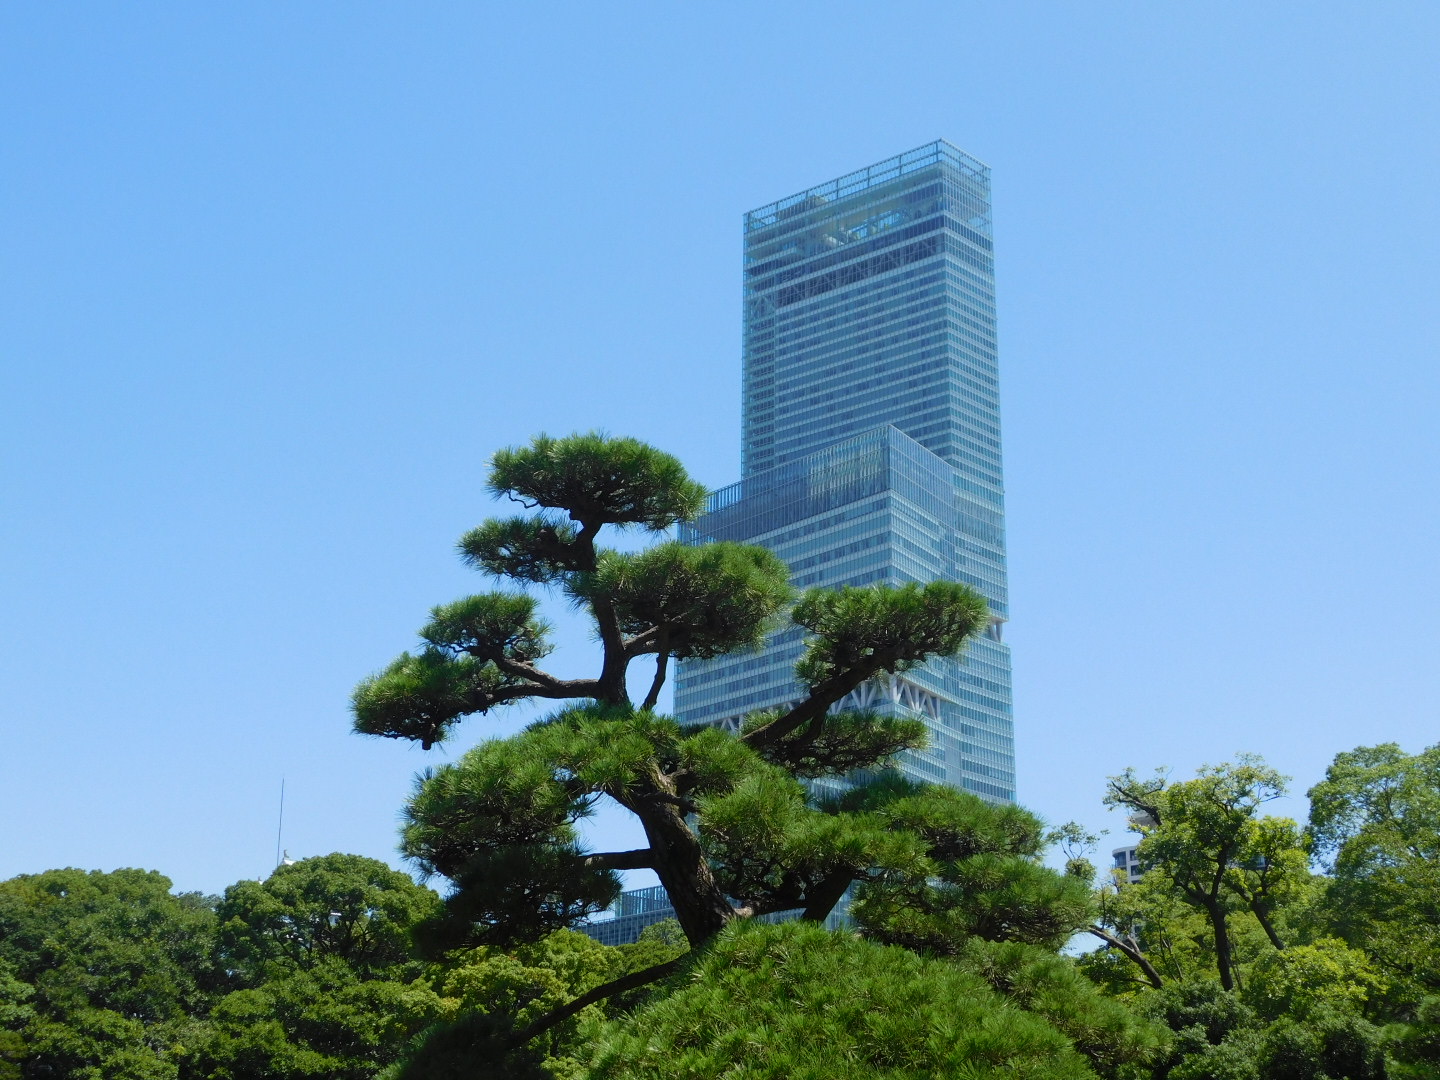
<point x="871" y="440"/>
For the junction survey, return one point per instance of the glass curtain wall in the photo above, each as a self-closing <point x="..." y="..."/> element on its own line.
<point x="871" y="438"/>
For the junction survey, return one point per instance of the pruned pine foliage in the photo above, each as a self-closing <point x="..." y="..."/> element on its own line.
<point x="500" y="823"/>
<point x="732" y="832"/>
<point x="798" y="1002"/>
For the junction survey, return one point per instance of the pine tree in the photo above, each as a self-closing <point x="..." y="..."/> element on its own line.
<point x="732" y="830"/>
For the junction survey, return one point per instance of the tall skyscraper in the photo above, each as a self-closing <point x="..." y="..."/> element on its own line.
<point x="871" y="441"/>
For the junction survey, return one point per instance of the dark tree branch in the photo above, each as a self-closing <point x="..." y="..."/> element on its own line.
<point x="1265" y="924"/>
<point x="638" y="859"/>
<point x="813" y="709"/>
<point x="1134" y="798"/>
<point x="662" y="660"/>
<point x="635" y="979"/>
<point x="642" y="642"/>
<point x="560" y="689"/>
<point x="1131" y="951"/>
<point x="665" y="798"/>
<point x="611" y="684"/>
<point x="822" y="899"/>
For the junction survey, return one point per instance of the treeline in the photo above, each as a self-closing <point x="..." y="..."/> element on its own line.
<point x="1273" y="949"/>
<point x="309" y="973"/>
<point x="1252" y="947"/>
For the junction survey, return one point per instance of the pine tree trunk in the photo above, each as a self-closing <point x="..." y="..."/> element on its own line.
<point x="700" y="905"/>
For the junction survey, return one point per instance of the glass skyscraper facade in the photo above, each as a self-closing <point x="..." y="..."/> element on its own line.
<point x="871" y="440"/>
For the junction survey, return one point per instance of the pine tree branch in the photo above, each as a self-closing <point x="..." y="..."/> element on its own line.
<point x="635" y="979"/>
<point x="821" y="900"/>
<point x="638" y="859"/>
<point x="611" y="684"/>
<point x="642" y="643"/>
<point x="813" y="709"/>
<point x="661" y="661"/>
<point x="545" y="684"/>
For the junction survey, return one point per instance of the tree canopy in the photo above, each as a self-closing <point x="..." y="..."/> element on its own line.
<point x="733" y="830"/>
<point x="501" y="822"/>
<point x="1262" y="966"/>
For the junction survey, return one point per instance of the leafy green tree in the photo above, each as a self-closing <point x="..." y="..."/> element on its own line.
<point x="731" y="830"/>
<point x="117" y="968"/>
<point x="15" y="1017"/>
<point x="1216" y="1035"/>
<point x="346" y="908"/>
<point x="1375" y="823"/>
<point x="1415" y="1046"/>
<point x="1219" y="1037"/>
<point x="1227" y="892"/>
<point x="328" y="986"/>
<point x="1298" y="981"/>
<point x="1206" y="837"/>
<point x="489" y="994"/>
<point x="321" y="1021"/>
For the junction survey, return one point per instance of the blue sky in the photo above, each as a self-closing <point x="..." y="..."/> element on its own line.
<point x="276" y="279"/>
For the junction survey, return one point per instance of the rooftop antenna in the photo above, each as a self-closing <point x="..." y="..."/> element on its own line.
<point x="280" y="828"/>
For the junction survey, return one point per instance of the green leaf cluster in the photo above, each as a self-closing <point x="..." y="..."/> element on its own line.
<point x="798" y="1001"/>
<point x="888" y="630"/>
<point x="1265" y="968"/>
<point x="1375" y="824"/>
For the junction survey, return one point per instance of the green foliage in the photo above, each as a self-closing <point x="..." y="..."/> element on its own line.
<point x="1203" y="828"/>
<point x="335" y="907"/>
<point x="15" y="995"/>
<point x="490" y="626"/>
<point x="421" y="697"/>
<point x="808" y="1004"/>
<point x="1199" y="1010"/>
<point x="980" y="877"/>
<point x="539" y="550"/>
<point x="504" y="793"/>
<point x="319" y="1022"/>
<point x="1301" y="979"/>
<point x="1175" y="935"/>
<point x="1216" y="1035"/>
<point x="509" y="896"/>
<point x="1304" y="1003"/>
<point x="693" y="601"/>
<point x="16" y="1015"/>
<point x="1375" y="819"/>
<point x="1205" y="838"/>
<point x="321" y="950"/>
<point x="116" y="966"/>
<point x="598" y="481"/>
<point x="488" y="994"/>
<point x="771" y="848"/>
<point x="1116" y="1040"/>
<point x="840" y="743"/>
<point x="100" y="1044"/>
<point x="1328" y="1044"/>
<point x="531" y="981"/>
<point x="1415" y="1046"/>
<point x="889" y="629"/>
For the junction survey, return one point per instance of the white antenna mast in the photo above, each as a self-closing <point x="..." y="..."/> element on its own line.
<point x="280" y="828"/>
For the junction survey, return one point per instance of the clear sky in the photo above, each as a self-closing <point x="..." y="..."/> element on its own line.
<point x="275" y="279"/>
